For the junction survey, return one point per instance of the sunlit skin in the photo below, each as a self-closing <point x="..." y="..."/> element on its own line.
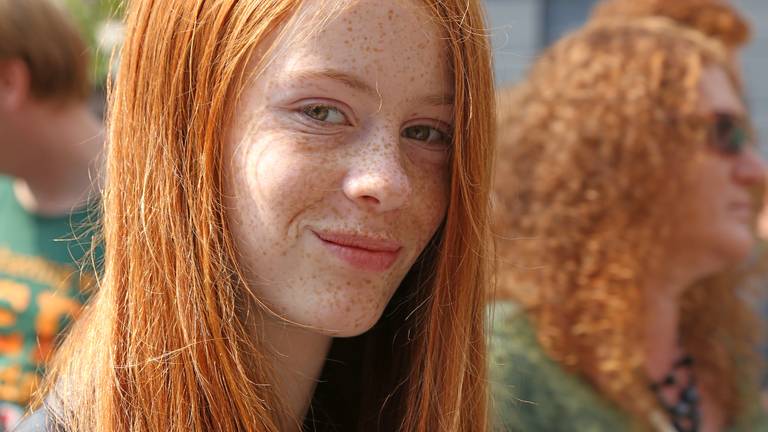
<point x="717" y="233"/>
<point x="337" y="176"/>
<point x="762" y="222"/>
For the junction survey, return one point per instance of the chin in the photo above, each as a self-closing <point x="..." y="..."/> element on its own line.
<point x="343" y="308"/>
<point x="330" y="306"/>
<point x="738" y="246"/>
<point x="347" y="320"/>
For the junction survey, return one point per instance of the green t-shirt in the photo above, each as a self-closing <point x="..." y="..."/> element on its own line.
<point x="533" y="393"/>
<point x="42" y="288"/>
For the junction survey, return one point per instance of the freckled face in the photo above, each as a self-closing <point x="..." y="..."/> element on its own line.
<point x="337" y="164"/>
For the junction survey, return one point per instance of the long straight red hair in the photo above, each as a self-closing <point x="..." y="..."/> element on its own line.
<point x="165" y="345"/>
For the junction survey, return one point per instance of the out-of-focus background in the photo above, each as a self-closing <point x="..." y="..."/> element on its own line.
<point x="522" y="28"/>
<point x="100" y="22"/>
<point x="519" y="28"/>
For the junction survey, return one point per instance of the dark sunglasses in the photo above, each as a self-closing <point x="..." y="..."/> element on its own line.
<point x="730" y="134"/>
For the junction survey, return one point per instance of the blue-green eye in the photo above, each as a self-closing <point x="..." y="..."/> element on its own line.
<point x="425" y="133"/>
<point x="730" y="134"/>
<point x="324" y="113"/>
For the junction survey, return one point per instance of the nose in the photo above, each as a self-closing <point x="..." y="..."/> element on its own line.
<point x="378" y="179"/>
<point x="750" y="168"/>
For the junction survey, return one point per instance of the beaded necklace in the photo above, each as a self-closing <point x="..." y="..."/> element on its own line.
<point x="684" y="411"/>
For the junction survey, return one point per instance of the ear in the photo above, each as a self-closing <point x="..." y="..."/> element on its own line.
<point x="14" y="83"/>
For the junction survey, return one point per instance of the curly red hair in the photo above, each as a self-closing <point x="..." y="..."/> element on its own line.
<point x="594" y="150"/>
<point x="714" y="18"/>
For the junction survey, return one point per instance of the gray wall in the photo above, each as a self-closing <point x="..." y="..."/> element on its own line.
<point x="755" y="63"/>
<point x="563" y="16"/>
<point x="520" y="28"/>
<point x="515" y="35"/>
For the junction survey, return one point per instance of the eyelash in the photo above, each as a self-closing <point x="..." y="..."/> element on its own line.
<point x="306" y="109"/>
<point x="444" y="139"/>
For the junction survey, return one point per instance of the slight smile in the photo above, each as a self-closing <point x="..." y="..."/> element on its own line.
<point x="362" y="252"/>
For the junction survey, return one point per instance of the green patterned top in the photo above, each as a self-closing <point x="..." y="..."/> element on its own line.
<point x="44" y="274"/>
<point x="533" y="393"/>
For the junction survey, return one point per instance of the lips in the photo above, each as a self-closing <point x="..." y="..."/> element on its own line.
<point x="366" y="253"/>
<point x="745" y="210"/>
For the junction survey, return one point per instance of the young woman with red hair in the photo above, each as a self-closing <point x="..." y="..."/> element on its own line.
<point x="295" y="223"/>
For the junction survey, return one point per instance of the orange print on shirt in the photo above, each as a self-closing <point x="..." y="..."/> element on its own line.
<point x="16" y="294"/>
<point x="16" y="385"/>
<point x="7" y="318"/>
<point x="54" y="309"/>
<point x="11" y="345"/>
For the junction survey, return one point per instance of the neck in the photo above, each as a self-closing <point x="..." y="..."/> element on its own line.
<point x="661" y="333"/>
<point x="299" y="357"/>
<point x="60" y="167"/>
<point x="662" y="326"/>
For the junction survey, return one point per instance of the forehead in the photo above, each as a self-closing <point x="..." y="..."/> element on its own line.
<point x="378" y="40"/>
<point x="718" y="92"/>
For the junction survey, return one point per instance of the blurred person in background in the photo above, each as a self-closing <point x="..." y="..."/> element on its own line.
<point x="721" y="20"/>
<point x="626" y="184"/>
<point x="50" y="143"/>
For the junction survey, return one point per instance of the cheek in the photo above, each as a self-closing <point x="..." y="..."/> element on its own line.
<point x="430" y="198"/>
<point x="278" y="182"/>
<point x="707" y="187"/>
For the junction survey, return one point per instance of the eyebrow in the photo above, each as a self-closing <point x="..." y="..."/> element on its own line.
<point x="438" y="99"/>
<point x="358" y="84"/>
<point x="344" y="78"/>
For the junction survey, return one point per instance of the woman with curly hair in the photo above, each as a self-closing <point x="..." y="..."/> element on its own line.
<point x="625" y="189"/>
<point x="297" y="207"/>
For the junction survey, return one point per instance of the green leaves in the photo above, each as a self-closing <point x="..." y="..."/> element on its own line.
<point x="100" y="23"/>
